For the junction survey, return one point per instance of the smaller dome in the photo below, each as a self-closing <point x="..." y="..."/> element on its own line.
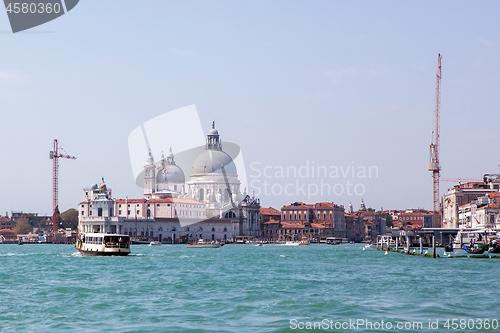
<point x="102" y="187"/>
<point x="93" y="186"/>
<point x="213" y="131"/>
<point x="173" y="174"/>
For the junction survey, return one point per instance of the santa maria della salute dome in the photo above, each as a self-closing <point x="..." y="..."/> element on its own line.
<point x="213" y="178"/>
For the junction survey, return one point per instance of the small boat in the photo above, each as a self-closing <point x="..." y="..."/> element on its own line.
<point x="203" y="244"/>
<point x="99" y="244"/>
<point x="259" y="244"/>
<point x="291" y="243"/>
<point x="154" y="243"/>
<point x="304" y="241"/>
<point x="472" y="249"/>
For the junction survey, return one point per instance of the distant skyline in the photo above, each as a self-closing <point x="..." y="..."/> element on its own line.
<point x="340" y="85"/>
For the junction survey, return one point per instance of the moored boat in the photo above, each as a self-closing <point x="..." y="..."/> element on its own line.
<point x="304" y="241"/>
<point x="203" y="244"/>
<point x="99" y="244"/>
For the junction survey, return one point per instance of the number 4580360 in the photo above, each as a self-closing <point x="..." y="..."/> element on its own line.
<point x="33" y="8"/>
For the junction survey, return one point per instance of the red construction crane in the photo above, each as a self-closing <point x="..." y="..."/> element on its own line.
<point x="433" y="165"/>
<point x="55" y="155"/>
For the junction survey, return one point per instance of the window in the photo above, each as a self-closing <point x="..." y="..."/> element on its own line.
<point x="99" y="211"/>
<point x="128" y="212"/>
<point x="137" y="212"/>
<point x="157" y="205"/>
<point x="82" y="214"/>
<point x="119" y="212"/>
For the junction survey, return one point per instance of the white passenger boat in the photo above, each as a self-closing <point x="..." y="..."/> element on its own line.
<point x="154" y="243"/>
<point x="99" y="244"/>
<point x="203" y="244"/>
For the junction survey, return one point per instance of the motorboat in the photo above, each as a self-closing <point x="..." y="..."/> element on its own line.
<point x="204" y="244"/>
<point x="305" y="241"/>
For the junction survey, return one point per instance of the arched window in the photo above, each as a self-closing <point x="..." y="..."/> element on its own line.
<point x="202" y="194"/>
<point x="231" y="215"/>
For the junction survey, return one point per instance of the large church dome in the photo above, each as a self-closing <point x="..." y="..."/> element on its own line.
<point x="213" y="158"/>
<point x="211" y="161"/>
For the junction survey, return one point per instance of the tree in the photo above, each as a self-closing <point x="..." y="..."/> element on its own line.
<point x="388" y="218"/>
<point x="69" y="219"/>
<point x="22" y="226"/>
<point x="42" y="225"/>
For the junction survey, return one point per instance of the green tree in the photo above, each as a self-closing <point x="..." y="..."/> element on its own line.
<point x="22" y="226"/>
<point x="42" y="225"/>
<point x="387" y="217"/>
<point x="69" y="219"/>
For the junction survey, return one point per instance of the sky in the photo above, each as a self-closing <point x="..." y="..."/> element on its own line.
<point x="296" y="84"/>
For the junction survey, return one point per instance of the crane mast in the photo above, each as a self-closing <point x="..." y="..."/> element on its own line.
<point x="55" y="155"/>
<point x="434" y="166"/>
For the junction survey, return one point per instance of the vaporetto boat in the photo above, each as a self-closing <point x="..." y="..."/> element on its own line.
<point x="99" y="244"/>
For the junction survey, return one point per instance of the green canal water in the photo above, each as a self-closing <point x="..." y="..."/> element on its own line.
<point x="244" y="288"/>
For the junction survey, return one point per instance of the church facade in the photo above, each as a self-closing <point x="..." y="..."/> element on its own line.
<point x="210" y="205"/>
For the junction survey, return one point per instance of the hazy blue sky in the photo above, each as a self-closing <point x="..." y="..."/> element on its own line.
<point x="337" y="83"/>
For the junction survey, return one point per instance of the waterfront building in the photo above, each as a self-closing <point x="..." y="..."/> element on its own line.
<point x="409" y="219"/>
<point x="209" y="205"/>
<point x="6" y="223"/>
<point x="484" y="212"/>
<point x="314" y="221"/>
<point x="268" y="214"/>
<point x="463" y="194"/>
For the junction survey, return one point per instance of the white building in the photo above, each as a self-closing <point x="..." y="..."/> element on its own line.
<point x="213" y="206"/>
<point x="463" y="194"/>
